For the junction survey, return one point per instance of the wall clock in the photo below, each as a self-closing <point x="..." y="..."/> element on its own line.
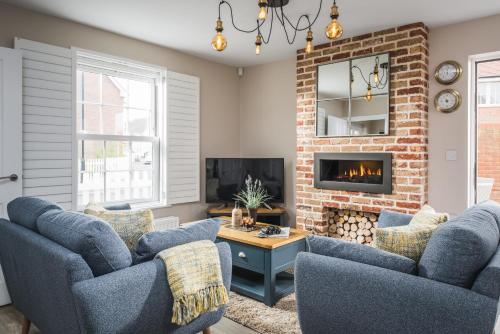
<point x="448" y="72"/>
<point x="447" y="100"/>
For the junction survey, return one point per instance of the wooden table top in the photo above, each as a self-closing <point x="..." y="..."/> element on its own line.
<point x="264" y="211"/>
<point x="250" y="238"/>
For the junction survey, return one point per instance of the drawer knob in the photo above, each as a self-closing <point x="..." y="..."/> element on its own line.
<point x="242" y="255"/>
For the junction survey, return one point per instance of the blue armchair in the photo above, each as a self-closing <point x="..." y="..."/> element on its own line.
<point x="350" y="288"/>
<point x="56" y="289"/>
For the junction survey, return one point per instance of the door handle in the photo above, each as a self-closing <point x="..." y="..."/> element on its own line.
<point x="12" y="177"/>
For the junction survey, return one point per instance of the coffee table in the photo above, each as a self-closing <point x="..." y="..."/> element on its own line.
<point x="259" y="264"/>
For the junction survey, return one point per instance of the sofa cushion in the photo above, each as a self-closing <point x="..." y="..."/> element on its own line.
<point x="459" y="249"/>
<point x="360" y="253"/>
<point x="152" y="243"/>
<point x="427" y="215"/>
<point x="409" y="240"/>
<point x="392" y="219"/>
<point x="96" y="241"/>
<point x="25" y="210"/>
<point x="129" y="224"/>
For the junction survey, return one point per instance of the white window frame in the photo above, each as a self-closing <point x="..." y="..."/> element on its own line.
<point x="126" y="68"/>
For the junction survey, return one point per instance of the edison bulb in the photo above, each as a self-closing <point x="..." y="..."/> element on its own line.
<point x="219" y="42"/>
<point x="376" y="77"/>
<point x="369" y="96"/>
<point x="334" y="30"/>
<point x="309" y="47"/>
<point x="262" y="13"/>
<point x="309" y="44"/>
<point x="257" y="49"/>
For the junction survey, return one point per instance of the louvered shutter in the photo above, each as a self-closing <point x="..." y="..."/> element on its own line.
<point x="47" y="121"/>
<point x="183" y="138"/>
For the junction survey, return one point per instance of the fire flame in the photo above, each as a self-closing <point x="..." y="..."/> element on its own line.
<point x="362" y="171"/>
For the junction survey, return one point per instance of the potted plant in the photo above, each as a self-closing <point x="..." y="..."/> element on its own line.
<point x="253" y="196"/>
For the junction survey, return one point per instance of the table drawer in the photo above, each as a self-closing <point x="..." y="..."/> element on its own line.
<point x="246" y="256"/>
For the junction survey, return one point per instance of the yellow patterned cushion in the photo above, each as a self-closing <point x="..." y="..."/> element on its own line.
<point x="129" y="224"/>
<point x="409" y="240"/>
<point x="427" y="215"/>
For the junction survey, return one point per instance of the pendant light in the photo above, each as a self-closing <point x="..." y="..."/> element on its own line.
<point x="258" y="44"/>
<point x="219" y="42"/>
<point x="369" y="96"/>
<point x="334" y="30"/>
<point x="262" y="10"/>
<point x="309" y="44"/>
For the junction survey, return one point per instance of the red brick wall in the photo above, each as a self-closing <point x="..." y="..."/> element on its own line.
<point x="488" y="147"/>
<point x="408" y="124"/>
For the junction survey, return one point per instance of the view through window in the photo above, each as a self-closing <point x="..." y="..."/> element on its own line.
<point x="118" y="146"/>
<point x="488" y="131"/>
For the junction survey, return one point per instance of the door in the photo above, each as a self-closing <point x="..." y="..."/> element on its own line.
<point x="487" y="130"/>
<point x="10" y="137"/>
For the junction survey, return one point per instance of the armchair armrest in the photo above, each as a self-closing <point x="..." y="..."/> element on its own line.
<point x="138" y="300"/>
<point x="339" y="296"/>
<point x="360" y="253"/>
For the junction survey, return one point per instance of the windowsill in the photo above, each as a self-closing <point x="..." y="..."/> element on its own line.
<point x="138" y="206"/>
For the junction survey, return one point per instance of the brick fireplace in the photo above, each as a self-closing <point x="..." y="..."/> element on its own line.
<point x="407" y="139"/>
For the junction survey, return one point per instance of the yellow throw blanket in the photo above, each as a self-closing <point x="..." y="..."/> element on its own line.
<point x="195" y="278"/>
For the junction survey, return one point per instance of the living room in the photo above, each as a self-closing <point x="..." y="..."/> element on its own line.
<point x="316" y="167"/>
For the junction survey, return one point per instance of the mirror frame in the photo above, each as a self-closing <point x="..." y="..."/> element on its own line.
<point x="350" y="60"/>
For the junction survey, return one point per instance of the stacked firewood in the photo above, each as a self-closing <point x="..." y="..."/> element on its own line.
<point x="354" y="226"/>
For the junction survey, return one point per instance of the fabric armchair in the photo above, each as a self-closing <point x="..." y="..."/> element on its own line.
<point x="138" y="300"/>
<point x="341" y="296"/>
<point x="344" y="287"/>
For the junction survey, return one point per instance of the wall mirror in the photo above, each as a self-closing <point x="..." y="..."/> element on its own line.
<point x="353" y="97"/>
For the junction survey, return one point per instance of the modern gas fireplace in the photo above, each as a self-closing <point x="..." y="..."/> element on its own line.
<point x="364" y="172"/>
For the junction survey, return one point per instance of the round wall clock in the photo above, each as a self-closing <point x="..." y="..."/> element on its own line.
<point x="447" y="100"/>
<point x="448" y="72"/>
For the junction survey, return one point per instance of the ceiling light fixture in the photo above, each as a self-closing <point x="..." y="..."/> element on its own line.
<point x="268" y="11"/>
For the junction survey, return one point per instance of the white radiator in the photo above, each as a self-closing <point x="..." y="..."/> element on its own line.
<point x="166" y="223"/>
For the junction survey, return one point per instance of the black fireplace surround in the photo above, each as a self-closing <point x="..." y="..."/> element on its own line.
<point x="363" y="172"/>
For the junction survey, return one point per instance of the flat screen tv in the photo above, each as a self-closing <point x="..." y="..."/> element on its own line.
<point x="226" y="176"/>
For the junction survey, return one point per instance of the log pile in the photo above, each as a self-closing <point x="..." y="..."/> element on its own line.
<point x="353" y="226"/>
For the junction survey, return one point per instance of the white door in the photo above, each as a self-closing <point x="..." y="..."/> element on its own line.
<point x="10" y="137"/>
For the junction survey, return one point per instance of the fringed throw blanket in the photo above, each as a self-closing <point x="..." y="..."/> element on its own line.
<point x="195" y="278"/>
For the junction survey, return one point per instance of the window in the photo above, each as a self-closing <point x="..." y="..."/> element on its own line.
<point x="488" y="92"/>
<point x="119" y="113"/>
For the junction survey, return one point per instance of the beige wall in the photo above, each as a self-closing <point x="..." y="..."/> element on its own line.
<point x="219" y="83"/>
<point x="267" y="118"/>
<point x="448" y="179"/>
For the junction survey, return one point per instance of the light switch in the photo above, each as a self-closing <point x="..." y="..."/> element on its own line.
<point x="451" y="155"/>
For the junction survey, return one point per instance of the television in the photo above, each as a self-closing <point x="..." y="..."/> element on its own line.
<point x="225" y="177"/>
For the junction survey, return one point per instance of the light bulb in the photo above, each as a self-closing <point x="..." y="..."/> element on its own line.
<point x="334" y="30"/>
<point x="369" y="96"/>
<point x="309" y="44"/>
<point x="263" y="10"/>
<point x="219" y="42"/>
<point x="376" y="78"/>
<point x="258" y="45"/>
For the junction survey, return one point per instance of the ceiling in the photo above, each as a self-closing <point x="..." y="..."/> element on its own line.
<point x="188" y="25"/>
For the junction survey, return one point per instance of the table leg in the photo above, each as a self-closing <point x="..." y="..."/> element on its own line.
<point x="269" y="281"/>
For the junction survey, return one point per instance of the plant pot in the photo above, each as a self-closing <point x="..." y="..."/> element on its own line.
<point x="252" y="213"/>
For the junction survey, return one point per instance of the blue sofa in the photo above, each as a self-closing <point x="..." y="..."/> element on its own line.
<point x="455" y="287"/>
<point x="57" y="289"/>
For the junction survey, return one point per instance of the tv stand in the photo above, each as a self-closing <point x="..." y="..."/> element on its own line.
<point x="274" y="216"/>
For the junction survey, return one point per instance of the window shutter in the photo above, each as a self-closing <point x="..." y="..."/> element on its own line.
<point x="47" y="121"/>
<point x="183" y="138"/>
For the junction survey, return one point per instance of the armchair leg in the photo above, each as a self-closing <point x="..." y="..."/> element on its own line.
<point x="26" y="324"/>
<point x="207" y="331"/>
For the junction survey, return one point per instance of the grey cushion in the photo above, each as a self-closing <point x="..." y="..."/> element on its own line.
<point x="360" y="253"/>
<point x="152" y="243"/>
<point x="96" y="241"/>
<point x="460" y="248"/>
<point x="392" y="219"/>
<point x="25" y="210"/>
<point x="488" y="281"/>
